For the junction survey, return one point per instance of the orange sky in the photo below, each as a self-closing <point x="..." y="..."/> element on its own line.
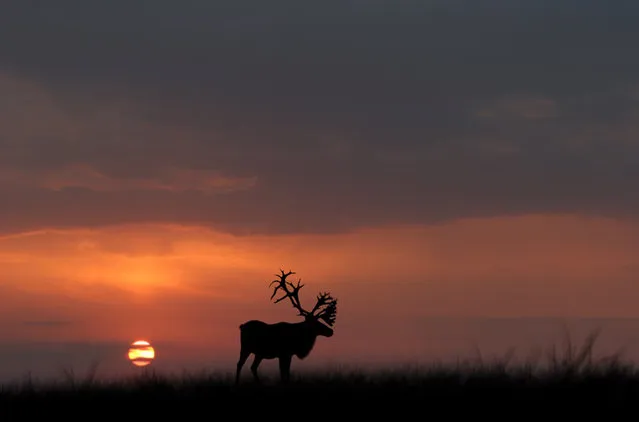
<point x="189" y="284"/>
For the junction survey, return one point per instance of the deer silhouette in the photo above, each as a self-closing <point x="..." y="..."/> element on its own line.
<point x="283" y="340"/>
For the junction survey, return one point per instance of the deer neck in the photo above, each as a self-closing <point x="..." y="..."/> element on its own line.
<point x="307" y="341"/>
<point x="306" y="346"/>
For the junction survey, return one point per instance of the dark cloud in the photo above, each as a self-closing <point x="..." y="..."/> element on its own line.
<point x="345" y="113"/>
<point x="52" y="323"/>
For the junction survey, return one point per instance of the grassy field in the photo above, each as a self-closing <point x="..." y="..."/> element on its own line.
<point x="572" y="382"/>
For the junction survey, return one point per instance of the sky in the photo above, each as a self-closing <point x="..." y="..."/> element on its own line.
<point x="459" y="174"/>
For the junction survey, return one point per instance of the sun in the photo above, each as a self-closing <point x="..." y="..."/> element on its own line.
<point x="141" y="353"/>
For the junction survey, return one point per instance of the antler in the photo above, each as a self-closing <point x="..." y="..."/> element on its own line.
<point x="293" y="294"/>
<point x="325" y="308"/>
<point x="328" y="306"/>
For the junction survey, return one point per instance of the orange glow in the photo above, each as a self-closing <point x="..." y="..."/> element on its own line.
<point x="191" y="283"/>
<point x="141" y="353"/>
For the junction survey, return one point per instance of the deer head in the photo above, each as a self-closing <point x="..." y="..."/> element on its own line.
<point x="325" y="308"/>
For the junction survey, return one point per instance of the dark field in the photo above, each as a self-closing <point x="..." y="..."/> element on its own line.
<point x="571" y="384"/>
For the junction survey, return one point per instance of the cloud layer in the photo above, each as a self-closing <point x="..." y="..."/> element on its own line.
<point x="282" y="117"/>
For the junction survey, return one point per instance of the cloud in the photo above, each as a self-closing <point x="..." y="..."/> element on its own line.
<point x="323" y="118"/>
<point x="51" y="323"/>
<point x="526" y="108"/>
<point x="85" y="177"/>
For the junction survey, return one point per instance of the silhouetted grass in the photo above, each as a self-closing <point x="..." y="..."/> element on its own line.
<point x="574" y="380"/>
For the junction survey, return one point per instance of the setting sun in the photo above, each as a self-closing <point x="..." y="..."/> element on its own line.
<point x="141" y="353"/>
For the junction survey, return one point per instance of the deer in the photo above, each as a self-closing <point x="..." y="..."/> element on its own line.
<point x="283" y="340"/>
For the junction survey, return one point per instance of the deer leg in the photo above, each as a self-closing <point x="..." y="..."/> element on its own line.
<point x="256" y="363"/>
<point x="285" y="368"/>
<point x="243" y="357"/>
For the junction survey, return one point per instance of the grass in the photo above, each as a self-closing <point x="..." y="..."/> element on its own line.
<point x="573" y="380"/>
